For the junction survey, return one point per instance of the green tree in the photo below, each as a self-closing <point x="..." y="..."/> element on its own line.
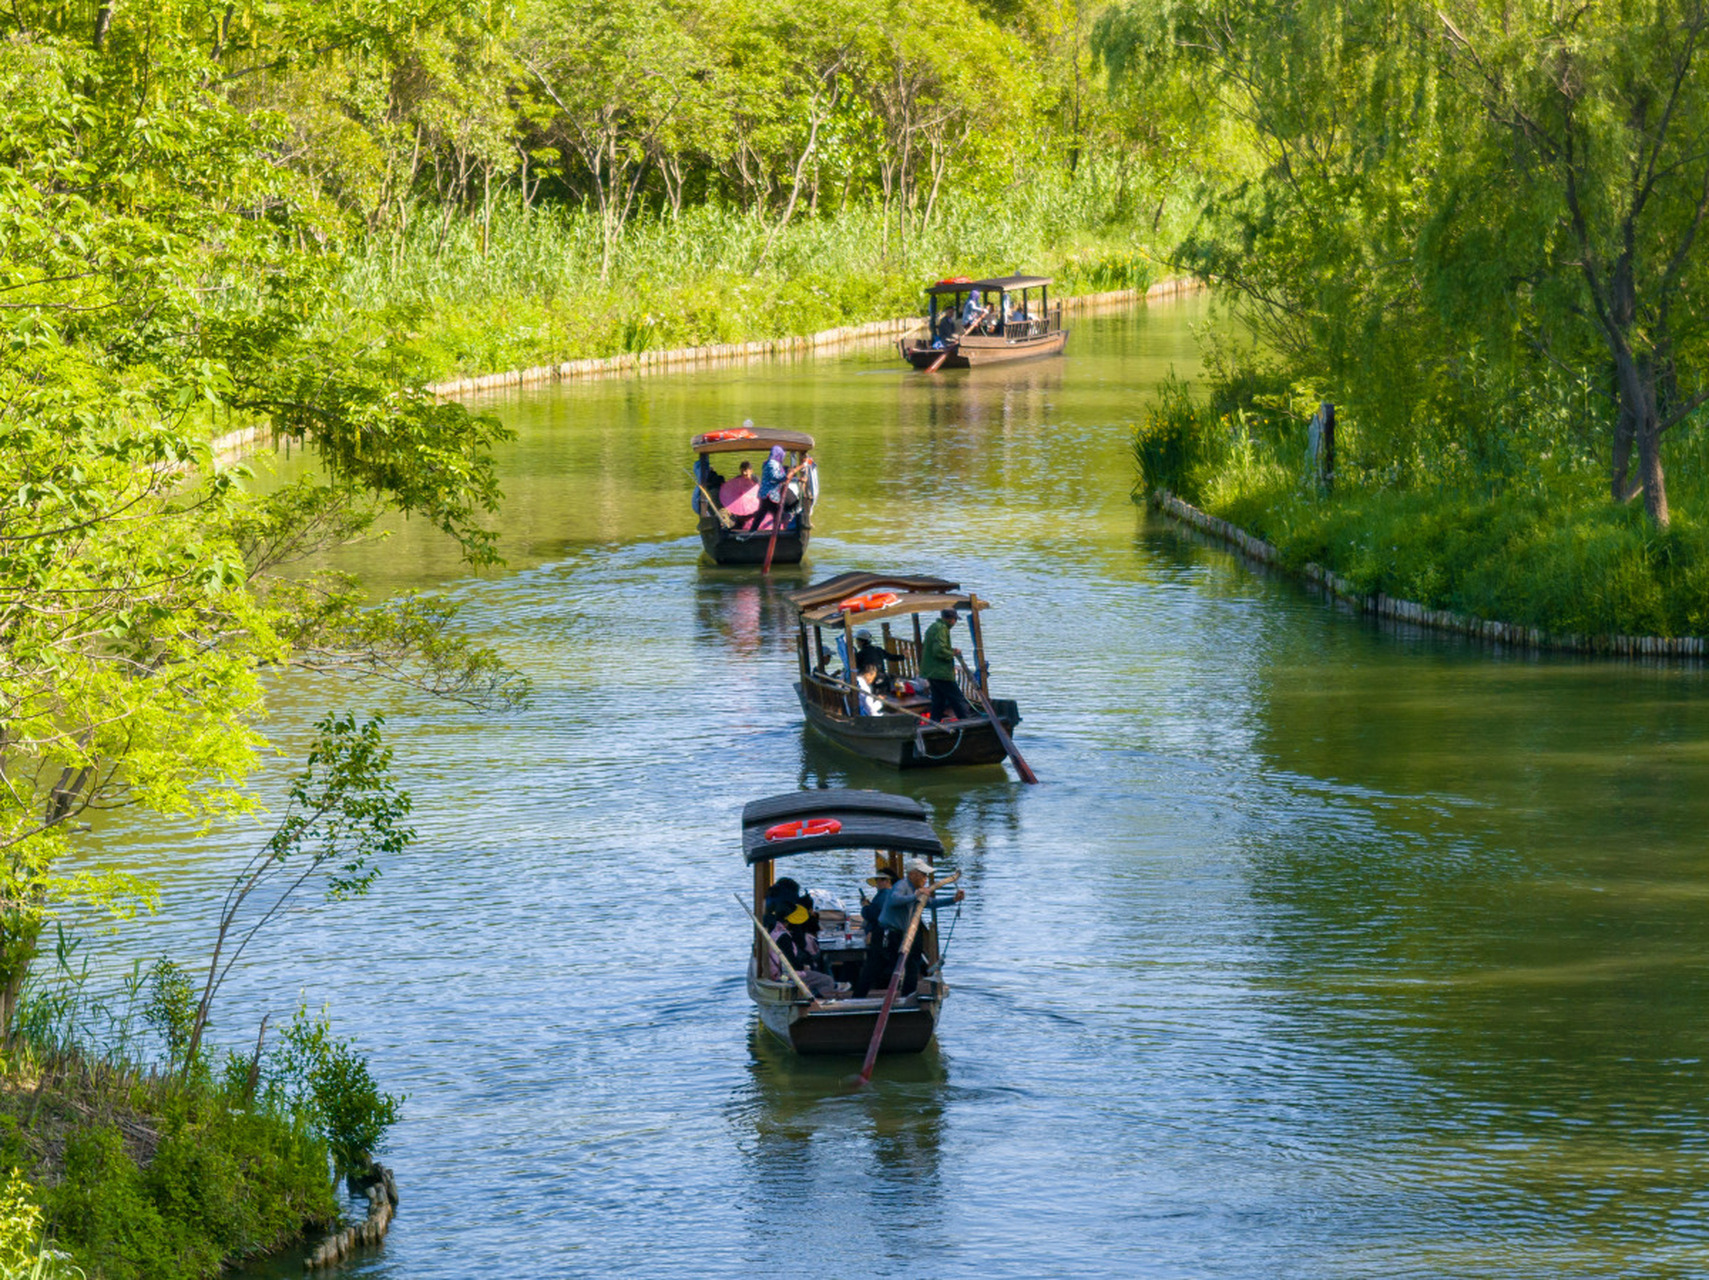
<point x="163" y="276"/>
<point x="1589" y="189"/>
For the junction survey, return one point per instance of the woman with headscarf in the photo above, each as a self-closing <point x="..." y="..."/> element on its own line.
<point x="775" y="496"/>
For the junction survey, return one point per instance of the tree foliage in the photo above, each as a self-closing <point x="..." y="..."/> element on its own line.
<point x="1474" y="226"/>
<point x="162" y="275"/>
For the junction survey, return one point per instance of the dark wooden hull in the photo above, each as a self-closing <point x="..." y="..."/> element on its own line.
<point x="732" y="546"/>
<point x="975" y="353"/>
<point x="845" y="1026"/>
<point x="901" y="742"/>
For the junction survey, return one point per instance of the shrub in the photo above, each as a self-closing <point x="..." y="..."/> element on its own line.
<point x="325" y="1079"/>
<point x="1178" y="446"/>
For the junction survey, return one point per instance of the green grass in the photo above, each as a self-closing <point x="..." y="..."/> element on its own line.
<point x="535" y="297"/>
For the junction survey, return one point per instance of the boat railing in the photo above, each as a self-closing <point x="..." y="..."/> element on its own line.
<point x="904" y="658"/>
<point x="1034" y="326"/>
<point x="830" y="698"/>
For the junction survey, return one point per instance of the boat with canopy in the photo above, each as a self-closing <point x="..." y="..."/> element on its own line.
<point x="734" y="526"/>
<point x="971" y="323"/>
<point x="832" y="823"/>
<point x="900" y="733"/>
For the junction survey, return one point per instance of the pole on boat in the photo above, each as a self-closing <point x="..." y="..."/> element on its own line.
<point x="723" y="516"/>
<point x="920" y="901"/>
<point x="782" y="501"/>
<point x="777" y="954"/>
<point x="1008" y="743"/>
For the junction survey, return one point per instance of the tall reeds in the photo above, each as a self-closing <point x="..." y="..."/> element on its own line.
<point x="535" y="296"/>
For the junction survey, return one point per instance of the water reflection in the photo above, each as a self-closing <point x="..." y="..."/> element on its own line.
<point x="868" y="1160"/>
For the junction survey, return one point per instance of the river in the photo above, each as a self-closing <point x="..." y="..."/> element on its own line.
<point x="1325" y="948"/>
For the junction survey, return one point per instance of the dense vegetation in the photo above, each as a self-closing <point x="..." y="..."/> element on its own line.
<point x="1475" y="229"/>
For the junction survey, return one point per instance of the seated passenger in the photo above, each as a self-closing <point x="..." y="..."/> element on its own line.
<point x="875" y="971"/>
<point x="790" y="913"/>
<point x="947" y="328"/>
<point x="869" y="653"/>
<point x="709" y="483"/>
<point x="867" y="682"/>
<point x="741" y="496"/>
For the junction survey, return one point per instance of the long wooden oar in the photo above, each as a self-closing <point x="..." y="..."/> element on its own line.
<point x="777" y="954"/>
<point x="777" y="520"/>
<point x="937" y="364"/>
<point x="920" y="901"/>
<point x="716" y="510"/>
<point x="1008" y="743"/>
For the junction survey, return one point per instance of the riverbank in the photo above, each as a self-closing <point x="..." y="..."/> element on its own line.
<point x="136" y="1174"/>
<point x="1383" y="605"/>
<point x="644" y="362"/>
<point x="1526" y="549"/>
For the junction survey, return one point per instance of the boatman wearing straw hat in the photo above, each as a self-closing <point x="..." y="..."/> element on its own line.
<point x="898" y="910"/>
<point x="937" y="665"/>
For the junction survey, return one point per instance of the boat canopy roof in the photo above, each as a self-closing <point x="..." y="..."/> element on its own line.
<point x="960" y="285"/>
<point x="866" y="820"/>
<point x="844" y="585"/>
<point x="906" y="604"/>
<point x="748" y="440"/>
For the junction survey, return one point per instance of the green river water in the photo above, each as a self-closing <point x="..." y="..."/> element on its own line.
<point x="1325" y="948"/>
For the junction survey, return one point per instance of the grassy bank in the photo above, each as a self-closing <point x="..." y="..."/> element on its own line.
<point x="125" y="1166"/>
<point x="530" y="292"/>
<point x="1535" y="543"/>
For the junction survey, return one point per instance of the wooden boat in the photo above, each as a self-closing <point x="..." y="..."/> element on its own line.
<point x="901" y="736"/>
<point x="1034" y="329"/>
<point x="726" y="543"/>
<point x="890" y="826"/>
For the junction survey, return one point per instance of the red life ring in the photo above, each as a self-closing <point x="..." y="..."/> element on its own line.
<point x="956" y="280"/>
<point x="734" y="433"/>
<point x="861" y="604"/>
<point x="797" y="830"/>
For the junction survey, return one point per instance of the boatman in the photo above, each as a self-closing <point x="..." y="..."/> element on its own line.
<point x="937" y="665"/>
<point x="973" y="313"/>
<point x="898" y="910"/>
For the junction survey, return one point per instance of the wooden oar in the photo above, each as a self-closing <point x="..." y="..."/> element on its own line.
<point x="1008" y="743"/>
<point x="777" y="520"/>
<point x="920" y="901"/>
<point x="937" y="364"/>
<point x="711" y="505"/>
<point x="777" y="954"/>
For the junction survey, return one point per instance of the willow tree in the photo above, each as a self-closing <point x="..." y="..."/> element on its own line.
<point x="1595" y="168"/>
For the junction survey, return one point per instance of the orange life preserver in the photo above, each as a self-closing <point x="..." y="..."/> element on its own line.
<point x="860" y="604"/>
<point x="734" y="433"/>
<point x="956" y="280"/>
<point x="811" y="827"/>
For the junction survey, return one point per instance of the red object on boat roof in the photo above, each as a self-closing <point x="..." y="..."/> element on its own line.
<point x="811" y="827"/>
<point x="861" y="604"/>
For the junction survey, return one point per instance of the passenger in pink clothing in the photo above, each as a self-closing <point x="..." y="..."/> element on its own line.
<point x="740" y="496"/>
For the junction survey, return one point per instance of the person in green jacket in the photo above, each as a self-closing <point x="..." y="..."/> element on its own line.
<point x="937" y="665"/>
